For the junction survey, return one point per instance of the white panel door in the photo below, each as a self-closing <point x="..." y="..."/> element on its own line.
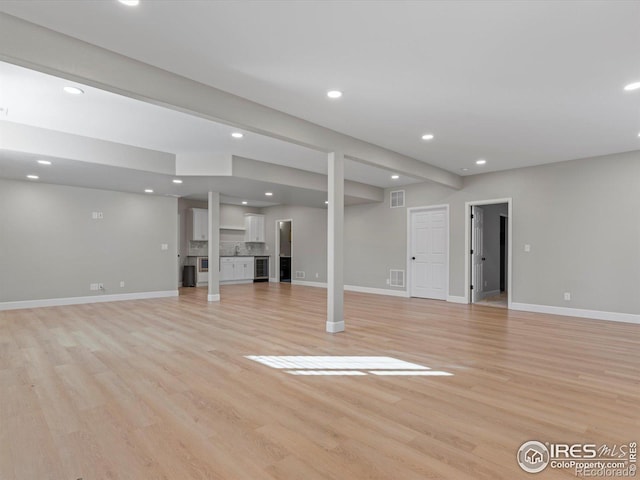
<point x="429" y="254"/>
<point x="477" y="254"/>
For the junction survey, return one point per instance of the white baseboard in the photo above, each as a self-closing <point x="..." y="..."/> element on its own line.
<point x="57" y="302"/>
<point x="213" y="298"/>
<point x="454" y="299"/>
<point x="235" y="282"/>
<point x="308" y="284"/>
<point x="335" y="327"/>
<point x="377" y="291"/>
<point x="577" y="312"/>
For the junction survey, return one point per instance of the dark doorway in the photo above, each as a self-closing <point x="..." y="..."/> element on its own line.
<point x="285" y="249"/>
<point x="503" y="252"/>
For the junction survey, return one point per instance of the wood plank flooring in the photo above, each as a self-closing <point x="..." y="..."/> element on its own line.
<point x="160" y="389"/>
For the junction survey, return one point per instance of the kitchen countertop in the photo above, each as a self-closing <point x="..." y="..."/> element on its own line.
<point x="221" y="256"/>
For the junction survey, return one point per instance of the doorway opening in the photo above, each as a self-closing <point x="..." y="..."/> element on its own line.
<point x="488" y="259"/>
<point x="284" y="250"/>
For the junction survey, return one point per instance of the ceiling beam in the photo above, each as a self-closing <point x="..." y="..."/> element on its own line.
<point x="40" y="141"/>
<point x="294" y="177"/>
<point x="38" y="48"/>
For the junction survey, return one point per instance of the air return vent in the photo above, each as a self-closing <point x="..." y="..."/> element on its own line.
<point x="396" y="278"/>
<point x="397" y="198"/>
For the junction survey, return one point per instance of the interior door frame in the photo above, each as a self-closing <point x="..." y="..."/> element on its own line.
<point x="467" y="245"/>
<point x="277" y="249"/>
<point x="409" y="270"/>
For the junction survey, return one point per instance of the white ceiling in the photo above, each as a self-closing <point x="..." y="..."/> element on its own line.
<point x="36" y="99"/>
<point x="518" y="83"/>
<point x="233" y="190"/>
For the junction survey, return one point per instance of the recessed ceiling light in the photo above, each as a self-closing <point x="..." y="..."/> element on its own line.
<point x="73" y="90"/>
<point x="334" y="94"/>
<point x="482" y="161"/>
<point x="464" y="169"/>
<point x="427" y="136"/>
<point x="44" y="162"/>
<point x="237" y="135"/>
<point x="148" y="190"/>
<point x="130" y="3"/>
<point x="177" y="180"/>
<point x="268" y="194"/>
<point x="395" y="177"/>
<point x="33" y="177"/>
<point x="244" y="202"/>
<point x="632" y="86"/>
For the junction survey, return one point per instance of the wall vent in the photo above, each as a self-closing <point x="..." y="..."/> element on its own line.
<point x="396" y="278"/>
<point x="397" y="198"/>
<point x="299" y="274"/>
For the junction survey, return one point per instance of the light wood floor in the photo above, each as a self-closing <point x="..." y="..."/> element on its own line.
<point x="160" y="389"/>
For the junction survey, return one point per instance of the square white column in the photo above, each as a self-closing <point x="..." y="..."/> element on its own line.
<point x="335" y="247"/>
<point x="214" y="247"/>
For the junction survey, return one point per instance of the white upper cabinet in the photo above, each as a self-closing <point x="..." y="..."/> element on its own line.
<point x="254" y="227"/>
<point x="198" y="224"/>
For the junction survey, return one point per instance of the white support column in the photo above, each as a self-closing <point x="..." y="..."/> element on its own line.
<point x="335" y="239"/>
<point x="214" y="247"/>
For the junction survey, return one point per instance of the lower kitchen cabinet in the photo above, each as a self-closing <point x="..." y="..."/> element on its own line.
<point x="236" y="269"/>
<point x="226" y="269"/>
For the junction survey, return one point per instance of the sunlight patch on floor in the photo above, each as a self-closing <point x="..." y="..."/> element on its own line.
<point x="345" y="365"/>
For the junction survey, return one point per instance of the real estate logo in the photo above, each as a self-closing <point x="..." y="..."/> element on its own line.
<point x="585" y="459"/>
<point x="533" y="456"/>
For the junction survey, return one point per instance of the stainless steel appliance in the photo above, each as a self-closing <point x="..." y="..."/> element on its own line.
<point x="261" y="269"/>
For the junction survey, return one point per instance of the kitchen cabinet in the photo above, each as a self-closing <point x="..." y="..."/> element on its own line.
<point x="253" y="227"/>
<point x="243" y="269"/>
<point x="198" y="224"/>
<point x="226" y="269"/>
<point x="236" y="269"/>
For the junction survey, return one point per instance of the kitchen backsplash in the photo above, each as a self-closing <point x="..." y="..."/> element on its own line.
<point x="201" y="249"/>
<point x="198" y="249"/>
<point x="244" y="248"/>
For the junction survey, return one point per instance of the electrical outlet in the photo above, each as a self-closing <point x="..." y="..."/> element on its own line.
<point x="122" y="284"/>
<point x="94" y="215"/>
<point x="93" y="286"/>
<point x="388" y="281"/>
<point x="527" y="248"/>
<point x="567" y="296"/>
<point x="164" y="246"/>
<point x="317" y="275"/>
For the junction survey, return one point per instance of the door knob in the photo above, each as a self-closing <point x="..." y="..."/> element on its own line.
<point x="413" y="258"/>
<point x="483" y="259"/>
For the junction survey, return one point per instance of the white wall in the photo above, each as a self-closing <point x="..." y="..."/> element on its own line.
<point x="309" y="240"/>
<point x="51" y="248"/>
<point x="580" y="218"/>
